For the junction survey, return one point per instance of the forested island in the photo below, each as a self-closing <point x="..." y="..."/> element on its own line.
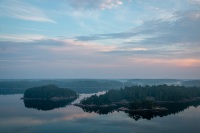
<point x="49" y="92"/>
<point x="140" y="98"/>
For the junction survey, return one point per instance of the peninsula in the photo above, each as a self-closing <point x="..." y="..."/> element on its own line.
<point x="142" y="98"/>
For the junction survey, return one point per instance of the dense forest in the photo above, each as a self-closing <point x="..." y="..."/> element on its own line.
<point x="11" y="91"/>
<point x="86" y="85"/>
<point x="48" y="92"/>
<point x="77" y="85"/>
<point x="191" y="83"/>
<point x="139" y="93"/>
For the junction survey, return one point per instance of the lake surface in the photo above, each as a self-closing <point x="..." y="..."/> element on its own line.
<point x="16" y="118"/>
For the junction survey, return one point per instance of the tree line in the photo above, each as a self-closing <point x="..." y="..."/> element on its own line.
<point x="139" y="93"/>
<point x="48" y="91"/>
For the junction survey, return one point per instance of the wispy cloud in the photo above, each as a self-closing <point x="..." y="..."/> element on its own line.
<point x="85" y="47"/>
<point x="97" y="4"/>
<point x="23" y="11"/>
<point x="60" y="46"/>
<point x="194" y="1"/>
<point x="21" y="38"/>
<point x="69" y="55"/>
<point x="30" y="29"/>
<point x="185" y="30"/>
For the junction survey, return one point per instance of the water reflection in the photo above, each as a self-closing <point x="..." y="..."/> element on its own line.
<point x="16" y="118"/>
<point x="46" y="105"/>
<point x="173" y="108"/>
<point x="99" y="110"/>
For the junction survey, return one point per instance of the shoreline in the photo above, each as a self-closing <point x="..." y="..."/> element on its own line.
<point x="122" y="105"/>
<point x="94" y="105"/>
<point x="155" y="109"/>
<point x="52" y="99"/>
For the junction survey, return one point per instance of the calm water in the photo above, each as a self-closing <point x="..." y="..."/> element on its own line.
<point x="16" y="118"/>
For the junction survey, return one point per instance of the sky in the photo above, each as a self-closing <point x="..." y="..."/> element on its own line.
<point x="99" y="39"/>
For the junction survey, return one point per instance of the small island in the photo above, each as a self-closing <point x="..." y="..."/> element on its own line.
<point x="49" y="92"/>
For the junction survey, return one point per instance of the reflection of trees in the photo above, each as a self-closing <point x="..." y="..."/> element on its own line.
<point x="46" y="105"/>
<point x="99" y="110"/>
<point x="173" y="108"/>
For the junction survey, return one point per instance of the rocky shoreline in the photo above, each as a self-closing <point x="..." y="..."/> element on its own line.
<point x="155" y="109"/>
<point x="52" y="99"/>
<point x="93" y="105"/>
